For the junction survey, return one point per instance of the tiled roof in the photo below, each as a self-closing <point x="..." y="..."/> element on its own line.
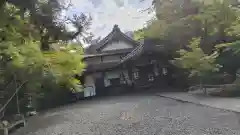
<point x="115" y="34"/>
<point x="106" y="53"/>
<point x="149" y="45"/>
<point x="101" y="66"/>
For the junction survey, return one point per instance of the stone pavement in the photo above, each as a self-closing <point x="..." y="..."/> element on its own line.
<point x="230" y="104"/>
<point x="133" y="115"/>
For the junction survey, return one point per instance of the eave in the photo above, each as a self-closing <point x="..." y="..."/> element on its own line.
<point x="145" y="47"/>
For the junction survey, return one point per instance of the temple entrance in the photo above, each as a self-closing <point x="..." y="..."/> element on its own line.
<point x="149" y="76"/>
<point x="143" y="76"/>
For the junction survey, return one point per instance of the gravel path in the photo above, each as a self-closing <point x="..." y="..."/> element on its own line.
<point x="133" y="115"/>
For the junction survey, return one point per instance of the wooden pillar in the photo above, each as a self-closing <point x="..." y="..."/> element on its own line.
<point x="129" y="69"/>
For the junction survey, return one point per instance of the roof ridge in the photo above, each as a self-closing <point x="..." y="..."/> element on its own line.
<point x="115" y="30"/>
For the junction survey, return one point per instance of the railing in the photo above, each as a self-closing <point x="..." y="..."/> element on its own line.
<point x="10" y="99"/>
<point x="2" y="113"/>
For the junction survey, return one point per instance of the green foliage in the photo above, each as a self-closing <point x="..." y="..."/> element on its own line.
<point x="138" y="35"/>
<point x="179" y="21"/>
<point x="48" y="22"/>
<point x="65" y="63"/>
<point x="215" y="22"/>
<point x="49" y="72"/>
<point x="25" y="54"/>
<point x="196" y="60"/>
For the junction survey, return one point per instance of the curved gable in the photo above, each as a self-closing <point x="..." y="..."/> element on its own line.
<point x="117" y="45"/>
<point x="116" y="40"/>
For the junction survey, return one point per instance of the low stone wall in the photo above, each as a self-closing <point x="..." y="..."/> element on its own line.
<point x="227" y="90"/>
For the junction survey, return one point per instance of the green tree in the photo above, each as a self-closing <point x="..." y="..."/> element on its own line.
<point x="47" y="21"/>
<point x="196" y="61"/>
<point x="48" y="72"/>
<point x="215" y="22"/>
<point x="178" y="21"/>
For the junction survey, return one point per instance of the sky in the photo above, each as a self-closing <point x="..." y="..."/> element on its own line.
<point x="105" y="13"/>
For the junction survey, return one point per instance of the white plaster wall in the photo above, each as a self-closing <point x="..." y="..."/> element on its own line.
<point x="111" y="58"/>
<point x="117" y="46"/>
<point x="112" y="74"/>
<point x="89" y="81"/>
<point x="89" y="84"/>
<point x="106" y="82"/>
<point x="115" y="74"/>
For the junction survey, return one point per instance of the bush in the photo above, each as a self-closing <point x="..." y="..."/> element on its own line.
<point x="227" y="92"/>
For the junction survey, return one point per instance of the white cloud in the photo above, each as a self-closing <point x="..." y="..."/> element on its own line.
<point x="106" y="13"/>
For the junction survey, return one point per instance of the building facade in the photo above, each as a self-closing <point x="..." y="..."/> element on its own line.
<point x="118" y="63"/>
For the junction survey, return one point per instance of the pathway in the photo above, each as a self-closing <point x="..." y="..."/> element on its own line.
<point x="231" y="104"/>
<point x="133" y="115"/>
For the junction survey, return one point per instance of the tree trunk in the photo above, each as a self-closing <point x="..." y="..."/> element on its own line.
<point x="2" y="2"/>
<point x="202" y="87"/>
